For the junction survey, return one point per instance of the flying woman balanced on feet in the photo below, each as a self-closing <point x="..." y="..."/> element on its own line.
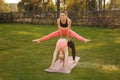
<point x="64" y="29"/>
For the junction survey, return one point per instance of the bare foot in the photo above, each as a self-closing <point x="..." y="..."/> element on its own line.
<point x="86" y="40"/>
<point x="36" y="40"/>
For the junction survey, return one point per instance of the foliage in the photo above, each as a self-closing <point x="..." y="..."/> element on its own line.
<point x="4" y="7"/>
<point x="75" y="5"/>
<point x="91" y="5"/>
<point x="81" y="5"/>
<point x="35" y="6"/>
<point x="115" y="4"/>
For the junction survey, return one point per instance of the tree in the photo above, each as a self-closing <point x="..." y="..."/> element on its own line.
<point x="75" y="5"/>
<point x="115" y="5"/>
<point x="91" y="5"/>
<point x="28" y="5"/>
<point x="4" y="7"/>
<point x="35" y="5"/>
<point x="74" y="8"/>
<point x="51" y="6"/>
<point x="104" y="4"/>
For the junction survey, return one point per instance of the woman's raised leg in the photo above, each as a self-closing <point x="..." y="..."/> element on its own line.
<point x="51" y="35"/>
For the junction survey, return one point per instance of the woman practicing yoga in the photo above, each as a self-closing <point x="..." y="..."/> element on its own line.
<point x="64" y="29"/>
<point x="61" y="49"/>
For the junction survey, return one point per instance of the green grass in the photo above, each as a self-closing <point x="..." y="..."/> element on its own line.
<point x="21" y="59"/>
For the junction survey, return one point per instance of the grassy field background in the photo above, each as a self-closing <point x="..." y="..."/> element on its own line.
<point x="21" y="59"/>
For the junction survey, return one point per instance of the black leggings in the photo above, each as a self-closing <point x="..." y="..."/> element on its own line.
<point x="72" y="46"/>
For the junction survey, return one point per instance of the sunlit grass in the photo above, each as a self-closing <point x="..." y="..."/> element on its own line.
<point x="21" y="59"/>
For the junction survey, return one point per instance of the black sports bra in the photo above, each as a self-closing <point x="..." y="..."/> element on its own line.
<point x="63" y="25"/>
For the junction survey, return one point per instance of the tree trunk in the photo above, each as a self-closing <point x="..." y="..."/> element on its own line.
<point x="58" y="8"/>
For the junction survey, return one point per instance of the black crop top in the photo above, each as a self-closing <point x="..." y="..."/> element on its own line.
<point x="63" y="25"/>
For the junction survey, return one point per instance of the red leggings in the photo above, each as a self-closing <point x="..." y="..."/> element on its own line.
<point x="64" y="32"/>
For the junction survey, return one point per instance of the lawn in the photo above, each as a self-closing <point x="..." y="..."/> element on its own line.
<point x="22" y="59"/>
